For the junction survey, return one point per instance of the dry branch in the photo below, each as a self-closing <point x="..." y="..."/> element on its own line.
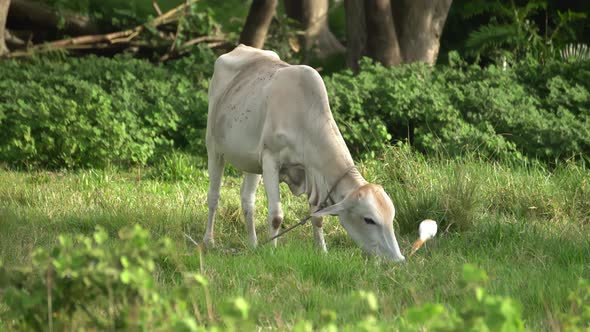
<point x="130" y="37"/>
<point x="13" y="40"/>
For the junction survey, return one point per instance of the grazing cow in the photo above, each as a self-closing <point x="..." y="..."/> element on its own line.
<point x="272" y="120"/>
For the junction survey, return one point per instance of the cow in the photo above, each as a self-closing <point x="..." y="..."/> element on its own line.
<point x="272" y="120"/>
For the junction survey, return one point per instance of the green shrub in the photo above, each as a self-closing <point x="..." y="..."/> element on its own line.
<point x="92" y="111"/>
<point x="81" y="274"/>
<point x="528" y="111"/>
<point x="94" y="282"/>
<point x="480" y="311"/>
<point x="89" y="281"/>
<point x="578" y="316"/>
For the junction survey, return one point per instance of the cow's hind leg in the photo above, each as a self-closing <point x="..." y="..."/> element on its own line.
<point x="215" y="165"/>
<point x="270" y="175"/>
<point x="248" y="195"/>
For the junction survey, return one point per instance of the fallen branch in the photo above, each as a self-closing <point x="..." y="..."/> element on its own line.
<point x="13" y="40"/>
<point x="211" y="41"/>
<point x="131" y="38"/>
<point x="157" y="8"/>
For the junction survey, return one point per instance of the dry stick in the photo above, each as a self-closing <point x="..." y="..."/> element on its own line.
<point x="49" y="283"/>
<point x="111" y="38"/>
<point x="195" y="305"/>
<point x="206" y="39"/>
<point x="216" y="44"/>
<point x="166" y="18"/>
<point x="196" y="311"/>
<point x="193" y="241"/>
<point x="12" y="39"/>
<point x="157" y="8"/>
<point x="210" y="314"/>
<point x="173" y="44"/>
<point x="82" y="42"/>
<point x="211" y="42"/>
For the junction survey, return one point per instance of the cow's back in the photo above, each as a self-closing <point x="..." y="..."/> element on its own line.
<point x="237" y="100"/>
<point x="258" y="102"/>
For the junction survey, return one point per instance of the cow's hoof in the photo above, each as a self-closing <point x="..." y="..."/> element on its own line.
<point x="253" y="243"/>
<point x="209" y="242"/>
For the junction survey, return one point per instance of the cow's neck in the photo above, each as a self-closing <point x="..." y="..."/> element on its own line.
<point x="338" y="183"/>
<point x="330" y="167"/>
<point x="350" y="181"/>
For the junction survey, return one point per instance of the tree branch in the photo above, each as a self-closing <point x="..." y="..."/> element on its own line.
<point x="124" y="38"/>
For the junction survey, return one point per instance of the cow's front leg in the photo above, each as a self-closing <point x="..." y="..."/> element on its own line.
<point x="318" y="233"/>
<point x="248" y="195"/>
<point x="215" y="167"/>
<point x="270" y="175"/>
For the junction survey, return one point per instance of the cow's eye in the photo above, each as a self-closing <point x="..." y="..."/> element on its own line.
<point x="370" y="221"/>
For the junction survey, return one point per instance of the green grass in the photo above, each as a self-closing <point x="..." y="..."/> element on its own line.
<point x="526" y="226"/>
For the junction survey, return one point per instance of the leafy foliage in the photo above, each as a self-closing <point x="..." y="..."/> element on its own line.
<point x="480" y="312"/>
<point x="119" y="14"/>
<point x="512" y="31"/>
<point x="578" y="317"/>
<point x="530" y="111"/>
<point x="91" y="112"/>
<point x="85" y="281"/>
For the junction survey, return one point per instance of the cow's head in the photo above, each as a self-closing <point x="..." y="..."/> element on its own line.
<point x="367" y="215"/>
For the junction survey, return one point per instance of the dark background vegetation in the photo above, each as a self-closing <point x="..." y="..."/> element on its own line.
<point x="502" y="86"/>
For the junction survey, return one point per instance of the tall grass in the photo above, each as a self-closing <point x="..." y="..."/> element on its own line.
<point x="461" y="192"/>
<point x="526" y="225"/>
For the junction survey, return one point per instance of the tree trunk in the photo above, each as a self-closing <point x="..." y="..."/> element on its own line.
<point x="419" y="25"/>
<point x="409" y="33"/>
<point x="258" y="22"/>
<point x="4" y="4"/>
<point x="356" y="32"/>
<point x="313" y="16"/>
<point x="382" y="42"/>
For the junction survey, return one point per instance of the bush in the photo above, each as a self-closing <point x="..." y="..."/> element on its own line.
<point x="97" y="282"/>
<point x="93" y="282"/>
<point x="93" y="111"/>
<point x="529" y="111"/>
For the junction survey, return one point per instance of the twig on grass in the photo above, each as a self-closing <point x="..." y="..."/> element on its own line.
<point x="191" y="239"/>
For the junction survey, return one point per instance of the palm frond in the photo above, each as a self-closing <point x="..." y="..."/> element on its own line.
<point x="490" y="36"/>
<point x="576" y="52"/>
<point x="534" y="7"/>
<point x="478" y="7"/>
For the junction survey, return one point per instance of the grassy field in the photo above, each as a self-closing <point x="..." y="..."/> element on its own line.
<point x="526" y="226"/>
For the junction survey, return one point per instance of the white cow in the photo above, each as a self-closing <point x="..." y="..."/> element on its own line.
<point x="272" y="119"/>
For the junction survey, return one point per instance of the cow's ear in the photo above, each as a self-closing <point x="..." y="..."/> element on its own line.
<point x="337" y="208"/>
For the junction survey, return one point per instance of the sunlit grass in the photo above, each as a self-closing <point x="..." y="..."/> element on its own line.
<point x="525" y="225"/>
